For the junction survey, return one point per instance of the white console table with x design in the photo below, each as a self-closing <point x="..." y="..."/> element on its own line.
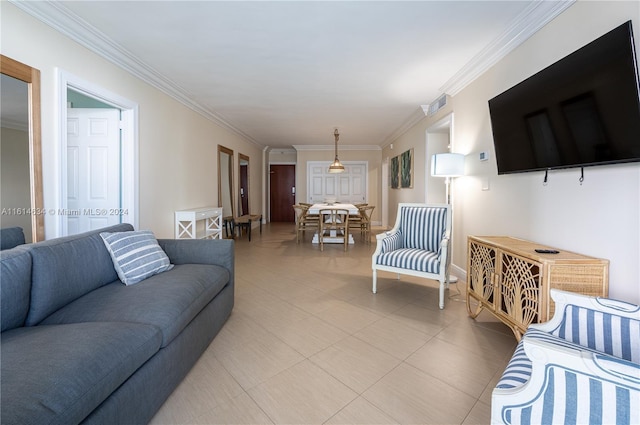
<point x="199" y="223"/>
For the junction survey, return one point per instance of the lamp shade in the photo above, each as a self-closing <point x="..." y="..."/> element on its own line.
<point x="447" y="165"/>
<point x="336" y="167"/>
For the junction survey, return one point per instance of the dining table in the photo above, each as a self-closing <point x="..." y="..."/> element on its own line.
<point x="333" y="236"/>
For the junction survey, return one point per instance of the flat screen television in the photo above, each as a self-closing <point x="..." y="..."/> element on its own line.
<point x="583" y="110"/>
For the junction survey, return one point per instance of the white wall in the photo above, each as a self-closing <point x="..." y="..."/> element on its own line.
<point x="177" y="146"/>
<point x="601" y="217"/>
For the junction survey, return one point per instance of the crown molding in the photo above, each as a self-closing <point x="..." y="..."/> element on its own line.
<point x="340" y="147"/>
<point x="530" y="21"/>
<point x="64" y="21"/>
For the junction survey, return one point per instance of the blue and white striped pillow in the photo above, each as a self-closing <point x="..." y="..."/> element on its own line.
<point x="136" y="255"/>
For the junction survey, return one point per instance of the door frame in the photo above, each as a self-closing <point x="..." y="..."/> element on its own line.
<point x="129" y="151"/>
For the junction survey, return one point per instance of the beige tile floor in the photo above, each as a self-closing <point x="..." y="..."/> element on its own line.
<point x="308" y="343"/>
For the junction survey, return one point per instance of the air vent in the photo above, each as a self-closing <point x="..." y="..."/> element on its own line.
<point x="438" y="104"/>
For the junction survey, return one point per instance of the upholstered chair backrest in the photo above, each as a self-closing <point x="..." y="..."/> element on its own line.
<point x="423" y="227"/>
<point x="613" y="334"/>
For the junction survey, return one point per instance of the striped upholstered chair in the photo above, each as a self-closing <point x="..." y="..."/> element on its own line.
<point x="581" y="367"/>
<point x="418" y="245"/>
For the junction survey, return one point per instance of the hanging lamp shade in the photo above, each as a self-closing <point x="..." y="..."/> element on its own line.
<point x="336" y="166"/>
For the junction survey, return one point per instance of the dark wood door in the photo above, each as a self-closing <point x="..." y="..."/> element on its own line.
<point x="282" y="193"/>
<point x="244" y="190"/>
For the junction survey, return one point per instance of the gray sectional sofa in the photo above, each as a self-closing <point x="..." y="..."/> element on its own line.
<point x="78" y="346"/>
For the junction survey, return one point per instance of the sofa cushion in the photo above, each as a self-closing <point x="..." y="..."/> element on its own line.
<point x="168" y="300"/>
<point x="136" y="255"/>
<point x="59" y="374"/>
<point x="66" y="268"/>
<point x="15" y="275"/>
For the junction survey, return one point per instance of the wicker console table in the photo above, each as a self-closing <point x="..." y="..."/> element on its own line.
<point x="511" y="280"/>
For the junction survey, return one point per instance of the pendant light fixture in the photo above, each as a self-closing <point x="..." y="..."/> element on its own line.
<point x="336" y="167"/>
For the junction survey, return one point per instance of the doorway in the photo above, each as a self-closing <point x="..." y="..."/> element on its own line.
<point x="125" y="169"/>
<point x="282" y="193"/>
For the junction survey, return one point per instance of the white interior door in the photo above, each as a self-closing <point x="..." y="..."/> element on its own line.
<point x="349" y="186"/>
<point x="93" y="169"/>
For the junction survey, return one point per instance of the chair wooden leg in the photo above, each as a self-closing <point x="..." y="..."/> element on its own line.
<point x="346" y="239"/>
<point x="441" y="300"/>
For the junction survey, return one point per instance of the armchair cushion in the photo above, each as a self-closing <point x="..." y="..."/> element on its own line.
<point x="412" y="259"/>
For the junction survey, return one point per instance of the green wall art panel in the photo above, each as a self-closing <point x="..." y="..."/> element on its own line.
<point x="406" y="169"/>
<point x="394" y="174"/>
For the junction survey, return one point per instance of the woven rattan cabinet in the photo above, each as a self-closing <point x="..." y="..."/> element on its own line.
<point x="510" y="279"/>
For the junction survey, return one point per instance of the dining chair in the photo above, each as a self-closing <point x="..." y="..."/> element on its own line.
<point x="334" y="219"/>
<point x="365" y="213"/>
<point x="304" y="221"/>
<point x="310" y="216"/>
<point x="362" y="221"/>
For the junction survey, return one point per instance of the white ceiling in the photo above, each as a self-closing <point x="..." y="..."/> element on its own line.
<point x="288" y="73"/>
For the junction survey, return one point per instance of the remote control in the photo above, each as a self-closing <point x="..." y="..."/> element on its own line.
<point x="547" y="251"/>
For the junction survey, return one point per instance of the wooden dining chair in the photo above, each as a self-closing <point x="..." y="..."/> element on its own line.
<point x="362" y="222"/>
<point x="365" y="226"/>
<point x="310" y="216"/>
<point x="304" y="221"/>
<point x="334" y="219"/>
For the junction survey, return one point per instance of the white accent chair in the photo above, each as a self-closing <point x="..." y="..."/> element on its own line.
<point x="418" y="245"/>
<point x="582" y="366"/>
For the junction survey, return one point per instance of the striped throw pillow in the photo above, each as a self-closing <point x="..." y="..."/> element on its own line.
<point x="135" y="255"/>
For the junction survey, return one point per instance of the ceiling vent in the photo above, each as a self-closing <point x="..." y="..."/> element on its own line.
<point x="436" y="105"/>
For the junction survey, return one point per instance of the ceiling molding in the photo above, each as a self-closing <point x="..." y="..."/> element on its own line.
<point x="340" y="147"/>
<point x="64" y="21"/>
<point x="57" y="16"/>
<point x="534" y="17"/>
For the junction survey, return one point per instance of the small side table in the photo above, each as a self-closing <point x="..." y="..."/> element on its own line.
<point x="244" y="222"/>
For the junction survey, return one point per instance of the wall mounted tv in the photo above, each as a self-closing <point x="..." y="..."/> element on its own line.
<point x="582" y="110"/>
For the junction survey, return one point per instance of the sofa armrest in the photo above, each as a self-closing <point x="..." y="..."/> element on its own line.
<point x="567" y="383"/>
<point x="607" y="306"/>
<point x="601" y="324"/>
<point x="219" y="252"/>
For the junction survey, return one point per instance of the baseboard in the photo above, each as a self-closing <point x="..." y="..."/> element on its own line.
<point x="459" y="272"/>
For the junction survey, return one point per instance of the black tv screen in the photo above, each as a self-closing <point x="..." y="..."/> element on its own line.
<point x="582" y="110"/>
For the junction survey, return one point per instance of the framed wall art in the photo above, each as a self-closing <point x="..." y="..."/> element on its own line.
<point x="394" y="172"/>
<point x="406" y="169"/>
